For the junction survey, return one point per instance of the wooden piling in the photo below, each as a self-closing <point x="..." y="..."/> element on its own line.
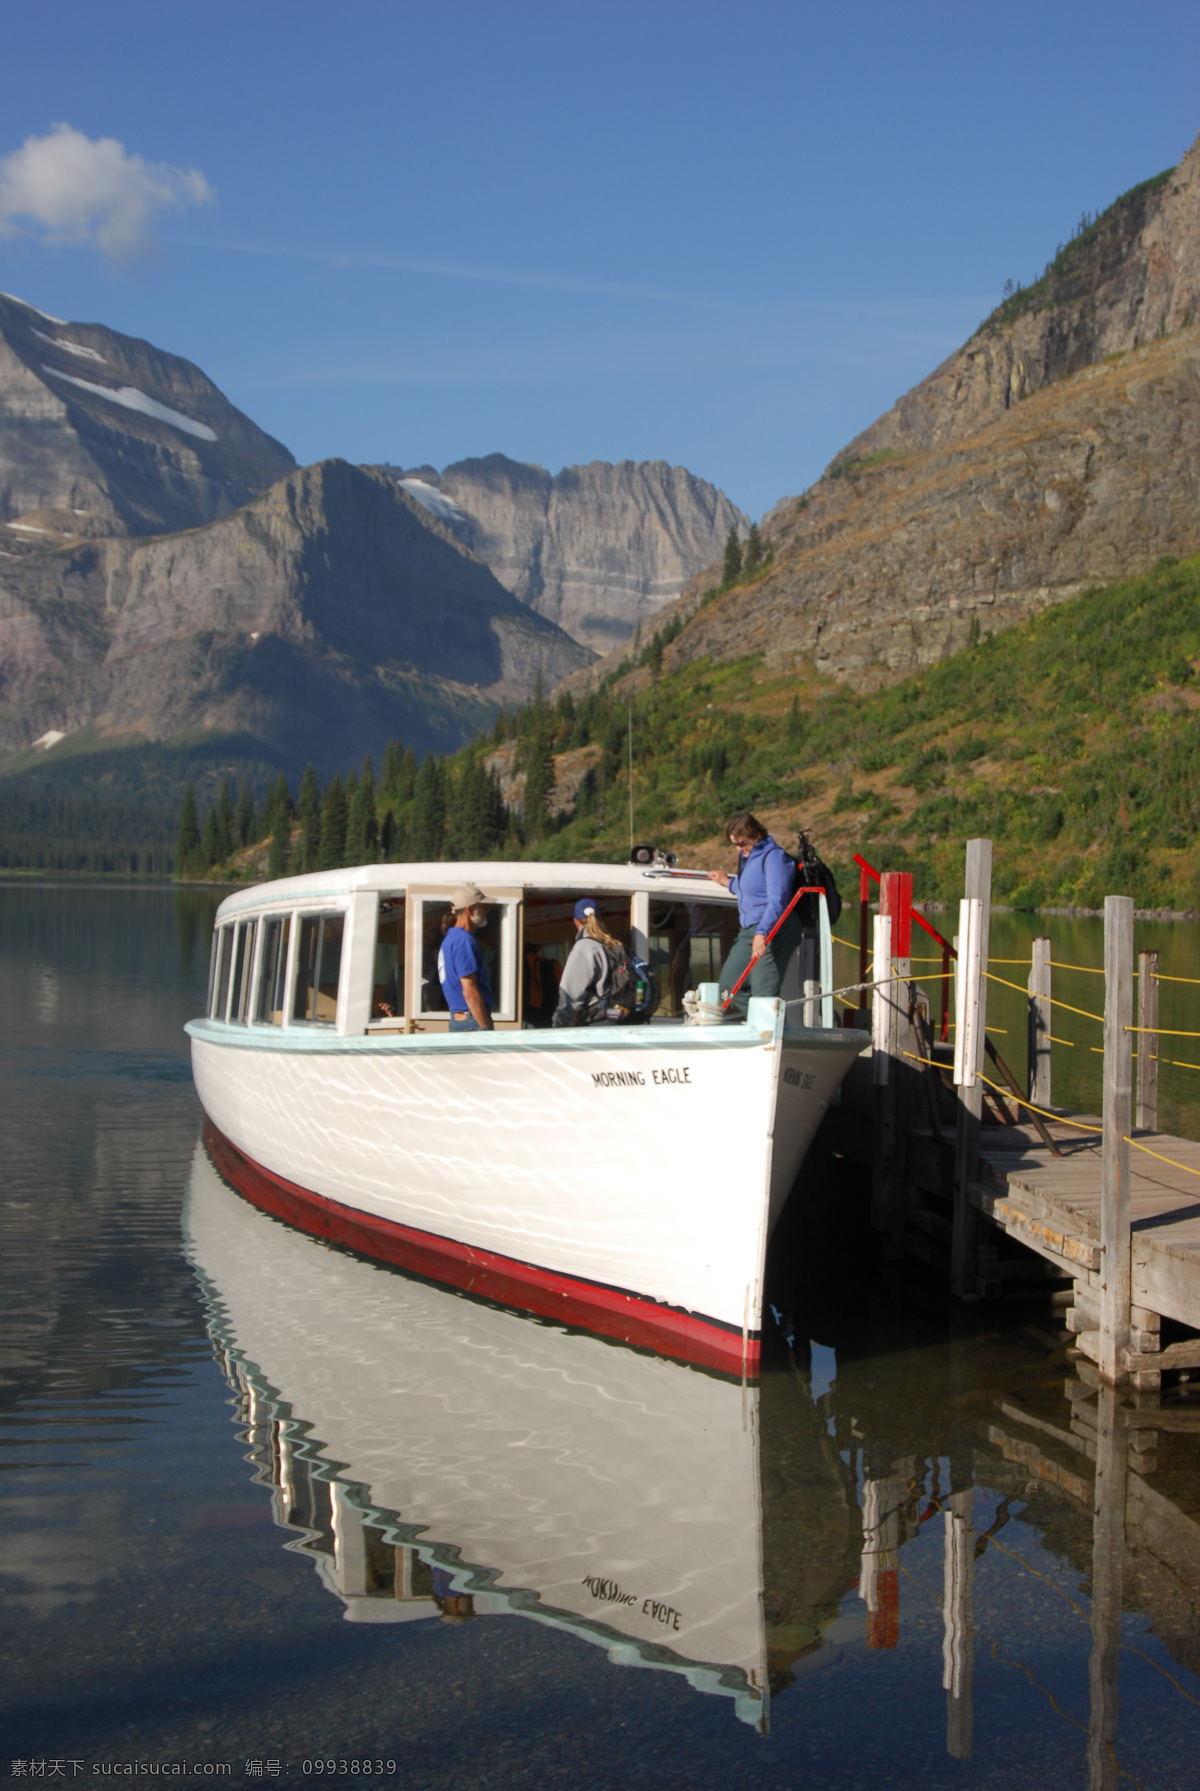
<point x="964" y="1275"/>
<point x="883" y="1013"/>
<point x="1108" y="1580"/>
<point x="958" y="1639"/>
<point x="1117" y="1119"/>
<point x="1038" y="1083"/>
<point x="1147" y="1042"/>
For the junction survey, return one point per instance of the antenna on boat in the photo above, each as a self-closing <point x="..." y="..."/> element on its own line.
<point x="630" y="696"/>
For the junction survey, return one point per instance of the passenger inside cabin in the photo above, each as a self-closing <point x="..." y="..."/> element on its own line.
<point x="539" y="986"/>
<point x="764" y="884"/>
<point x="461" y="968"/>
<point x="588" y="976"/>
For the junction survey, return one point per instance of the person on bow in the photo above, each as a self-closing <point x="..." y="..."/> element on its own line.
<point x="764" y="884"/>
<point x="461" y="968"/>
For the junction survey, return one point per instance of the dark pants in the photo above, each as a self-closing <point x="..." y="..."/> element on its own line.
<point x="766" y="978"/>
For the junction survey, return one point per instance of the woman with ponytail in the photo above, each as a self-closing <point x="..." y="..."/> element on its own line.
<point x="589" y="970"/>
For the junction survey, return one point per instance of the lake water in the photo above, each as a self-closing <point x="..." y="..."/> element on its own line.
<point x="274" y="1512"/>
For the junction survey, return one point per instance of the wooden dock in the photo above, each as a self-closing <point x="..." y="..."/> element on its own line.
<point x="979" y="1178"/>
<point x="1052" y="1206"/>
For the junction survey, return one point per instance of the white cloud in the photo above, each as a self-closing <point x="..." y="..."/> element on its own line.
<point x="68" y="188"/>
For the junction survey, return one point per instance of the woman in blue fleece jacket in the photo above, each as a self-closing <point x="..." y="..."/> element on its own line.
<point x="764" y="885"/>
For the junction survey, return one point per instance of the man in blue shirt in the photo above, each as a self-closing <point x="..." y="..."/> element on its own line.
<point x="764" y="885"/>
<point x="461" y="969"/>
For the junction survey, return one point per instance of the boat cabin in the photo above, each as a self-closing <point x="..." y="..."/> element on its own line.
<point x="356" y="951"/>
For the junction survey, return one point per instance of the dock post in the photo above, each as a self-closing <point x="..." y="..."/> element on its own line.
<point x="1147" y="1042"/>
<point x="1039" y="1023"/>
<point x="895" y="903"/>
<point x="964" y="1276"/>
<point x="1117" y="1114"/>
<point x="958" y="1641"/>
<point x="1108" y="1585"/>
<point x="883" y="1015"/>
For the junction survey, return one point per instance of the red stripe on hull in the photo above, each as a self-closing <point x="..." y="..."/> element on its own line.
<point x="607" y="1311"/>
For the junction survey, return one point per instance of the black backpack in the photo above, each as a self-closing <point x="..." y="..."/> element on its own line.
<point x="813" y="870"/>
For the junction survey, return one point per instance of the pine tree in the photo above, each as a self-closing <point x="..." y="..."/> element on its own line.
<point x="362" y="828"/>
<point x="226" y="824"/>
<point x="393" y="758"/>
<point x="795" y="723"/>
<point x="246" y="816"/>
<point x="334" y="814"/>
<point x="187" y="848"/>
<point x="308" y="808"/>
<point x="280" y="856"/>
<point x="732" y="569"/>
<point x="210" y="845"/>
<point x="428" y="823"/>
<point x="539" y="785"/>
<point x="754" y="555"/>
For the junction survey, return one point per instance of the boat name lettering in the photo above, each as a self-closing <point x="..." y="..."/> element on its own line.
<point x="661" y="1613"/>
<point x="797" y="1080"/>
<point x="637" y="1078"/>
<point x="608" y="1591"/>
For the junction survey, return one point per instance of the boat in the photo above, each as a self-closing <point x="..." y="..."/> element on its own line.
<point x="623" y="1178"/>
<point x="433" y="1455"/>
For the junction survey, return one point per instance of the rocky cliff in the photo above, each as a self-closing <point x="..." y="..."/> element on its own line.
<point x="1057" y="449"/>
<point x="598" y="549"/>
<point x="325" y="615"/>
<point x="101" y="434"/>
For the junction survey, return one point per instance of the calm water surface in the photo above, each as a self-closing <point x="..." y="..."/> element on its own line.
<point x="271" y="1509"/>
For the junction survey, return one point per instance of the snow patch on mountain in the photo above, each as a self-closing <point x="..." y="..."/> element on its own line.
<point x="132" y="399"/>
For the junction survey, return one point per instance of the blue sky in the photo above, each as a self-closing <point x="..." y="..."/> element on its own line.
<point x="722" y="236"/>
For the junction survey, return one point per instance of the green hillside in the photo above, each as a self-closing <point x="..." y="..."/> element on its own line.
<point x="1073" y="741"/>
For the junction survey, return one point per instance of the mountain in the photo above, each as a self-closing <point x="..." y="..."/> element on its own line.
<point x="598" y="549"/>
<point x="327" y="614"/>
<point x="1057" y="450"/>
<point x="102" y="434"/>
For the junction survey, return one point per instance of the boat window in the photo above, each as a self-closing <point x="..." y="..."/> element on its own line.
<point x="319" y="968"/>
<point x="549" y="936"/>
<point x="387" y="991"/>
<point x="223" y="956"/>
<point x="437" y="917"/>
<point x="277" y="930"/>
<point x="243" y="959"/>
<point x="689" y="942"/>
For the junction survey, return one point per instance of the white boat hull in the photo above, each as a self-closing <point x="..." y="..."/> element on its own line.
<point x="624" y="1179"/>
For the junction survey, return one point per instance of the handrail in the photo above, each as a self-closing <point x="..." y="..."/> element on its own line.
<point x="916" y="913"/>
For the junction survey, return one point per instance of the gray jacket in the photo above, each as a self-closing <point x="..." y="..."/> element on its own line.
<point x="586" y="980"/>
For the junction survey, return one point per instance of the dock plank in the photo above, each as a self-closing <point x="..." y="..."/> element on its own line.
<point x="1053" y="1205"/>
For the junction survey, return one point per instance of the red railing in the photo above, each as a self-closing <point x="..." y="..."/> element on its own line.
<point x="897" y="901"/>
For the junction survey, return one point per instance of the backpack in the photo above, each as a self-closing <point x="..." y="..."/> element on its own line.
<point x="632" y="993"/>
<point x="813" y="869"/>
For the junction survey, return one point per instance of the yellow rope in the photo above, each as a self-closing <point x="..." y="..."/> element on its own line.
<point x="1002" y="981"/>
<point x="1186" y="1167"/>
<point x="1044" y="1111"/>
<point x="1170" y="1032"/>
<point x="1098" y="1018"/>
<point x="1087" y="969"/>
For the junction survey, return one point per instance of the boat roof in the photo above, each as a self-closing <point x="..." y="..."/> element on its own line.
<point x="487" y="874"/>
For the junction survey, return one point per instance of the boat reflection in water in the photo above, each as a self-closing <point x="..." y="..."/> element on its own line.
<point x="443" y="1456"/>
